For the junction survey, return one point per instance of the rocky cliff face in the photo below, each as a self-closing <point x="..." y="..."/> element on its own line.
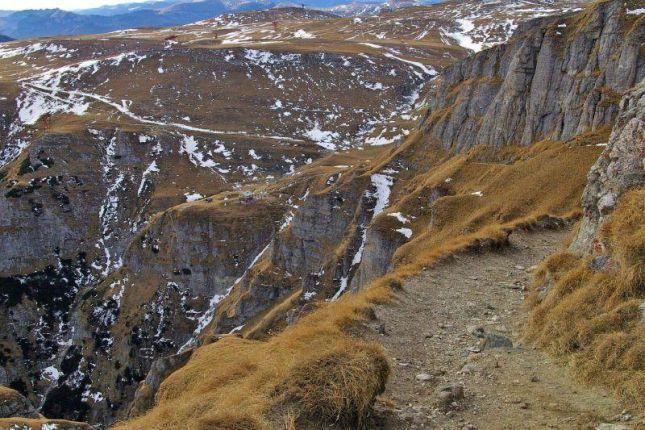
<point x="620" y="167"/>
<point x="71" y="204"/>
<point x="557" y="77"/>
<point x="204" y="268"/>
<point x="173" y="272"/>
<point x="382" y="240"/>
<point x="45" y="206"/>
<point x="314" y="249"/>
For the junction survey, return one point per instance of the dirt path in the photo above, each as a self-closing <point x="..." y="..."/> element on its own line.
<point x="429" y="338"/>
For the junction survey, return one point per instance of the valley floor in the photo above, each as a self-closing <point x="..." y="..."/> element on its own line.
<point x="429" y="338"/>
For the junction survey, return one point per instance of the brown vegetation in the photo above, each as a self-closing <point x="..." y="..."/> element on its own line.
<point x="484" y="194"/>
<point x="313" y="370"/>
<point x="339" y="386"/>
<point x="591" y="317"/>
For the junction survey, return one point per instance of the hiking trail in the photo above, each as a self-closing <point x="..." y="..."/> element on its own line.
<point x="435" y="335"/>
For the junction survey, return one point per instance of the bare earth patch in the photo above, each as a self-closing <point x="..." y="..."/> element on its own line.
<point x="453" y="326"/>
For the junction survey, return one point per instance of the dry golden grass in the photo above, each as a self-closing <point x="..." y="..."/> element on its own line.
<point x="592" y="318"/>
<point x="240" y="384"/>
<point x="274" y="318"/>
<point x="8" y="394"/>
<point x="519" y="187"/>
<point x="339" y="386"/>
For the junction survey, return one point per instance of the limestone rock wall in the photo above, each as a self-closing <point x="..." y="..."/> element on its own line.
<point x="557" y="77"/>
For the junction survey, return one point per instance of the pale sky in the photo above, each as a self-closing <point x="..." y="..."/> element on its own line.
<point x="61" y="4"/>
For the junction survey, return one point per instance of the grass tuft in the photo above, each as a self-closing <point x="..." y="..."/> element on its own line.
<point x="338" y="387"/>
<point x="313" y="370"/>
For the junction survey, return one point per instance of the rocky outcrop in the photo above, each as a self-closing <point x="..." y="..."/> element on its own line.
<point x="45" y="204"/>
<point x="620" y="167"/>
<point x="320" y="249"/>
<point x="316" y="227"/>
<point x="556" y="78"/>
<point x="14" y="404"/>
<point x="380" y="246"/>
<point x="144" y="398"/>
<point x="205" y="246"/>
<point x="312" y="249"/>
<point x="71" y="204"/>
<point x="64" y="223"/>
<point x="173" y="273"/>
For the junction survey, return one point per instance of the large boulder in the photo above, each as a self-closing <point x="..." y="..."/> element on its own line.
<point x="620" y="167"/>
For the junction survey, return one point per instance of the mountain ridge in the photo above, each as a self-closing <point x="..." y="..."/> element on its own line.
<point x="56" y="22"/>
<point x="48" y="22"/>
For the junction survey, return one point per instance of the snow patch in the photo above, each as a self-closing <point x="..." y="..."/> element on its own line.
<point x="426" y="69"/>
<point x="399" y="216"/>
<point x="150" y="169"/>
<point x="321" y="137"/>
<point x="405" y="232"/>
<point x="382" y="183"/>
<point x="189" y="146"/>
<point x="463" y="39"/>
<point x="302" y="34"/>
<point x="52" y="373"/>
<point x="32" y="105"/>
<point x="191" y="197"/>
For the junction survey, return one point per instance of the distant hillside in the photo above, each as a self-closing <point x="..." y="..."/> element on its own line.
<point x="4" y="38"/>
<point x="160" y="13"/>
<point x="123" y="8"/>
<point x="50" y="22"/>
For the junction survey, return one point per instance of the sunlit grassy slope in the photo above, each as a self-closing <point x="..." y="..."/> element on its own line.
<point x="320" y="370"/>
